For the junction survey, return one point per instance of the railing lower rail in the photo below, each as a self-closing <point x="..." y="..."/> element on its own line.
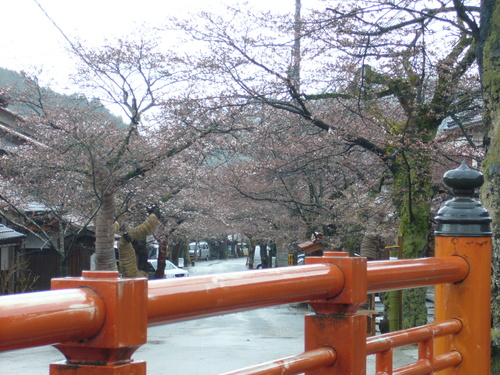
<point x="297" y="364"/>
<point x="424" y="336"/>
<point x="382" y="346"/>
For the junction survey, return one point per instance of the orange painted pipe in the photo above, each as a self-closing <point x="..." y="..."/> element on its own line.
<point x="43" y="318"/>
<point x="201" y="296"/>
<point x="448" y="360"/>
<point x="376" y="344"/>
<point x="409" y="273"/>
<point x="297" y="364"/>
<point x="425" y="367"/>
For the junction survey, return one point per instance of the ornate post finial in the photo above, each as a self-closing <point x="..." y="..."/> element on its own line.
<point x="463" y="215"/>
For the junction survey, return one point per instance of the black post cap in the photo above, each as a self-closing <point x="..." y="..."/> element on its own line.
<point x="463" y="216"/>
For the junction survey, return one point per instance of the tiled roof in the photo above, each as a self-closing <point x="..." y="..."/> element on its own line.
<point x="8" y="235"/>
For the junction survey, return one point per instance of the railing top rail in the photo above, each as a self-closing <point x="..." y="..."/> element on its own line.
<point x="34" y="319"/>
<point x="407" y="273"/>
<point x="215" y="294"/>
<point x="210" y="295"/>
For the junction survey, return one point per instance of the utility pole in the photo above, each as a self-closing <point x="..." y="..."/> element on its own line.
<point x="297" y="28"/>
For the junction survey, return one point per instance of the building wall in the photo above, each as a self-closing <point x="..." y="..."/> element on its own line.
<point x="5" y="258"/>
<point x="45" y="264"/>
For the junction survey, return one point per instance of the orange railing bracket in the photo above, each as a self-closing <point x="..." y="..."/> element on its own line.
<point x="336" y="323"/>
<point x="123" y="332"/>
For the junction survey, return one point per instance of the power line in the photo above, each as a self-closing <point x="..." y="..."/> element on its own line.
<point x="55" y="24"/>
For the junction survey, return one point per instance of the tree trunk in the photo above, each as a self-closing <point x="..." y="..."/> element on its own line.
<point x="162" y="256"/>
<point x="490" y="192"/>
<point x="104" y="235"/>
<point x="251" y="254"/>
<point x="264" y="256"/>
<point x="223" y="249"/>
<point x="176" y="250"/>
<point x="128" y="258"/>
<point x="413" y="192"/>
<point x="62" y="249"/>
<point x="141" y="251"/>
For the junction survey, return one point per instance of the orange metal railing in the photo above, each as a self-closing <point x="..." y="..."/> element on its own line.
<point x="202" y="296"/>
<point x="109" y="315"/>
<point x="297" y="364"/>
<point x="386" y="275"/>
<point x="424" y="336"/>
<point x="34" y="319"/>
<point x="324" y="284"/>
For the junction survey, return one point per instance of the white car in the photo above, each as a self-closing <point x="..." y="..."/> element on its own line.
<point x="199" y="250"/>
<point x="171" y="270"/>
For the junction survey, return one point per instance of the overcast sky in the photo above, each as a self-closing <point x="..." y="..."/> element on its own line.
<point x="29" y="39"/>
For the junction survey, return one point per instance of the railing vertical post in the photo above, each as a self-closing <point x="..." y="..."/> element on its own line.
<point x="336" y="323"/>
<point x="463" y="229"/>
<point x="123" y="332"/>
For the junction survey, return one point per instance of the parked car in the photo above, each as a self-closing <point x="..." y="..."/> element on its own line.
<point x="301" y="259"/>
<point x="201" y="248"/>
<point x="171" y="270"/>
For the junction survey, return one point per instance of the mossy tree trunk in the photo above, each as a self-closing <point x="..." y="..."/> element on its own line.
<point x="127" y="253"/>
<point x="490" y="193"/>
<point x="412" y="168"/>
<point x="413" y="194"/>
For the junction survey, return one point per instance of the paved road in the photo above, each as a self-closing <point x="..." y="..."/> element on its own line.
<point x="205" y="346"/>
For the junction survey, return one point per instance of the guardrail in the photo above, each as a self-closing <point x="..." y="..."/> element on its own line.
<point x="99" y="320"/>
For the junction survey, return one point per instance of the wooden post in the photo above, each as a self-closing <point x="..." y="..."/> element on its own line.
<point x="336" y="323"/>
<point x="463" y="229"/>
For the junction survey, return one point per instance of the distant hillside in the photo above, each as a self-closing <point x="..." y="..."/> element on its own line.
<point x="10" y="77"/>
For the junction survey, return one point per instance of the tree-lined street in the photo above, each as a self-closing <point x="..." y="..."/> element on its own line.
<point x="265" y="129"/>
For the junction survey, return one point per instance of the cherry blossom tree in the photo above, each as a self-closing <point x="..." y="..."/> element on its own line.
<point x="139" y="78"/>
<point x="87" y="153"/>
<point x="47" y="168"/>
<point x="378" y="76"/>
<point x="332" y="112"/>
<point x="306" y="172"/>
